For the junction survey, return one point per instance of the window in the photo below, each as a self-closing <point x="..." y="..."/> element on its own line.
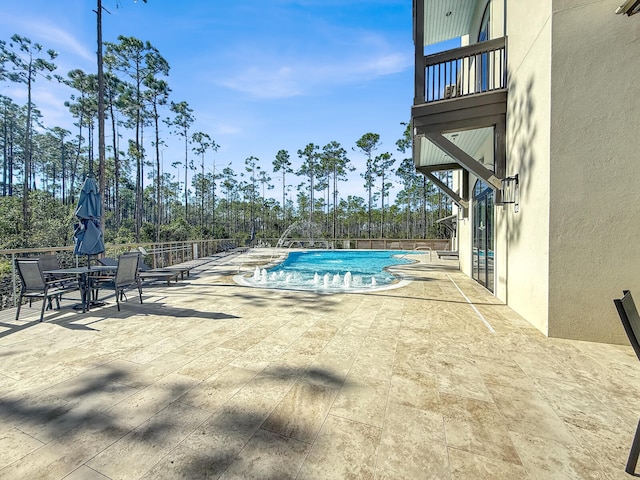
<point x="483" y="35"/>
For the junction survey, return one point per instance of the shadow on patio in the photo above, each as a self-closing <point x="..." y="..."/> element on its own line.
<point x="214" y="380"/>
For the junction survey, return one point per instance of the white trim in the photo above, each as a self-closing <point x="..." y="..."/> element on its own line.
<point x="480" y="316"/>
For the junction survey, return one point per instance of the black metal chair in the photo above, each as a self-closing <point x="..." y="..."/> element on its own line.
<point x="50" y="262"/>
<point x="631" y="323"/>
<point x="34" y="285"/>
<point x="145" y="272"/>
<point x="108" y="261"/>
<point x="126" y="276"/>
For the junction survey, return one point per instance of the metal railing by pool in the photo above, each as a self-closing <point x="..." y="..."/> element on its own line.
<point x="156" y="255"/>
<point x="165" y="254"/>
<point x="365" y="243"/>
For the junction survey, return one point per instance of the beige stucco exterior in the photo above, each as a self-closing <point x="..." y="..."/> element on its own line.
<point x="523" y="258"/>
<point x="595" y="168"/>
<point x="572" y="116"/>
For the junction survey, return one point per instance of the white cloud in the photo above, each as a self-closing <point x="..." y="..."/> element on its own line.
<point x="58" y="37"/>
<point x="48" y="98"/>
<point x="50" y="36"/>
<point x="226" y="129"/>
<point x="52" y="108"/>
<point x="15" y="91"/>
<point x="365" y="68"/>
<point x="275" y="80"/>
<point x="266" y="82"/>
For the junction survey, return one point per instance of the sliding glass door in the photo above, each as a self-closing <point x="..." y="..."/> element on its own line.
<point x="483" y="235"/>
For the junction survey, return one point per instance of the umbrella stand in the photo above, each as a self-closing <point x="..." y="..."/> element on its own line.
<point x="87" y="286"/>
<point x="92" y="303"/>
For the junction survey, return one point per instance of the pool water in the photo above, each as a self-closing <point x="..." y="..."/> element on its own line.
<point x="332" y="270"/>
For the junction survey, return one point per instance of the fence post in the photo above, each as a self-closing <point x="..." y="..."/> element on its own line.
<point x="155" y="255"/>
<point x="13" y="276"/>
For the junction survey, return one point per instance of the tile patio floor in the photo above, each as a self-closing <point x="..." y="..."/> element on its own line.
<point x="208" y="379"/>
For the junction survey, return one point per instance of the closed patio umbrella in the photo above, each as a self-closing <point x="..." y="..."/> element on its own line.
<point x="88" y="236"/>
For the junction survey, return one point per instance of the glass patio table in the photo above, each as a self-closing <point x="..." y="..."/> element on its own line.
<point x="84" y="279"/>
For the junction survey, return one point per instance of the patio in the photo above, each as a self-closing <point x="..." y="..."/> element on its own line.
<point x="208" y="379"/>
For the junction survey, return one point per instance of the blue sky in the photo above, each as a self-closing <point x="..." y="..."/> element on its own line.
<point x="260" y="75"/>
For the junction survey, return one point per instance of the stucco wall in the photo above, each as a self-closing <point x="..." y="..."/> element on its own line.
<point x="522" y="239"/>
<point x="595" y="168"/>
<point x="464" y="243"/>
<point x="524" y="265"/>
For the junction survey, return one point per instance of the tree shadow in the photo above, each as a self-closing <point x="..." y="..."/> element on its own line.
<point x="242" y="425"/>
<point x="520" y="154"/>
<point x="521" y="159"/>
<point x="305" y="299"/>
<point x="60" y="418"/>
<point x="311" y="374"/>
<point x="62" y="318"/>
<point x="129" y="309"/>
<point x="77" y="412"/>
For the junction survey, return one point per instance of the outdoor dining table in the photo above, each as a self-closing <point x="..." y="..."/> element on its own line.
<point x="84" y="279"/>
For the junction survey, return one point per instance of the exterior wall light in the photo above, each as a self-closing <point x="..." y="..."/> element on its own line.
<point x="630" y="7"/>
<point x="511" y="192"/>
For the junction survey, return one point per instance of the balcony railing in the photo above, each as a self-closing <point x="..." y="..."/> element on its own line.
<point x="464" y="71"/>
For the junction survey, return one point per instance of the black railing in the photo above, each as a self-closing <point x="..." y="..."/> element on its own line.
<point x="465" y="71"/>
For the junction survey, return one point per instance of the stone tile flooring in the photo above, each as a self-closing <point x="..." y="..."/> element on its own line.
<point x="208" y="379"/>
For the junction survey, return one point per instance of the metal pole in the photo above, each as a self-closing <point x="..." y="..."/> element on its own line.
<point x="13" y="276"/>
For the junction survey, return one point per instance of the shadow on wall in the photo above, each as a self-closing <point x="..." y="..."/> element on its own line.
<point x="520" y="159"/>
<point x="520" y="156"/>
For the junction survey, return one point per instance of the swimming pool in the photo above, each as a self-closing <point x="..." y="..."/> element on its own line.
<point x="330" y="271"/>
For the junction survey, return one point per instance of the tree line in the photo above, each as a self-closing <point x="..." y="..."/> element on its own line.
<point x="44" y="166"/>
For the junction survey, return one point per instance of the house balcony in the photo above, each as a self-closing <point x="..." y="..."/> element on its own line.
<point x="460" y="89"/>
<point x="460" y="103"/>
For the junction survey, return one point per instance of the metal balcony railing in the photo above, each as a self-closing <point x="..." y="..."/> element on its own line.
<point x="465" y="71"/>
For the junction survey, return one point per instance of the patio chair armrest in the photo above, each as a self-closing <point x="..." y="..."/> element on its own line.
<point x="63" y="284"/>
<point x="70" y="285"/>
<point x="60" y="281"/>
<point x="102" y="276"/>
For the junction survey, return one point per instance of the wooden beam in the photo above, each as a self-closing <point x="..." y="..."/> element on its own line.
<point x="440" y="167"/>
<point x="457" y="199"/>
<point x="465" y="160"/>
<point x="418" y="40"/>
<point x="463" y="113"/>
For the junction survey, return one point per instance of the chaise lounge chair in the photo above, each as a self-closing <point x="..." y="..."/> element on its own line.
<point x="631" y="322"/>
